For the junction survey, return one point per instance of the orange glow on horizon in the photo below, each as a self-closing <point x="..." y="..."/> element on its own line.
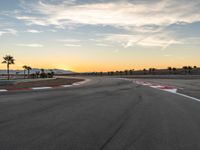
<point x="77" y="66"/>
<point x="95" y="69"/>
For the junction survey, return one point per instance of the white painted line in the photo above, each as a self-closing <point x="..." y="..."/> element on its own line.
<point x="81" y="82"/>
<point x="138" y="82"/>
<point x="41" y="88"/>
<point x="127" y="79"/>
<point x="3" y="90"/>
<point x="66" y="85"/>
<point x="170" y="90"/>
<point x="76" y="84"/>
<point x="193" y="98"/>
<point x="149" y="84"/>
<point x="174" y="91"/>
<point x="85" y="81"/>
<point x="157" y="86"/>
<point x="142" y="83"/>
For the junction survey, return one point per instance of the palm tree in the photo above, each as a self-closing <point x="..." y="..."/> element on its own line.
<point x="131" y="71"/>
<point x="42" y="70"/>
<point x="189" y="69"/>
<point x="29" y="68"/>
<point x="150" y="70"/>
<point x="174" y="70"/>
<point x="25" y="68"/>
<point x="169" y="69"/>
<point x="120" y="72"/>
<point x="37" y="74"/>
<point x="52" y="73"/>
<point x="9" y="60"/>
<point x="153" y="70"/>
<point x="144" y="71"/>
<point x="126" y="72"/>
<point x="43" y="75"/>
<point x="185" y="68"/>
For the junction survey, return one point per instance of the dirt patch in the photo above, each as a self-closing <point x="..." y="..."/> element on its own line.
<point x="43" y="83"/>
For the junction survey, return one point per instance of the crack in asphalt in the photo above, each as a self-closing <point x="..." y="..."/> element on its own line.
<point x="125" y="117"/>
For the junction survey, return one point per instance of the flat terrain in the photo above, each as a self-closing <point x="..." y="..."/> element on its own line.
<point x="103" y="114"/>
<point x="40" y="83"/>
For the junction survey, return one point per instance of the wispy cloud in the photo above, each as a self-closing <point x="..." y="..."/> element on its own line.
<point x="167" y="55"/>
<point x="103" y="45"/>
<point x="69" y="40"/>
<point x="33" y="31"/>
<point x="145" y="20"/>
<point x="8" y="32"/>
<point x="120" y="13"/>
<point x="192" y="40"/>
<point x="34" y="45"/>
<point x="156" y="40"/>
<point x="72" y="45"/>
<point x="32" y="20"/>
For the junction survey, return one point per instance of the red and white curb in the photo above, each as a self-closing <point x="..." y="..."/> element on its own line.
<point x="165" y="88"/>
<point x="46" y="88"/>
<point x="170" y="89"/>
<point x="41" y="88"/>
<point x="3" y="90"/>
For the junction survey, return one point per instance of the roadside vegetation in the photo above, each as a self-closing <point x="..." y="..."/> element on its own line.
<point x="8" y="60"/>
<point x="185" y="70"/>
<point x="27" y="74"/>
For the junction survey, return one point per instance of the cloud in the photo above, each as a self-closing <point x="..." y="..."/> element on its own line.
<point x="146" y="21"/>
<point x="33" y="20"/>
<point x="155" y="40"/>
<point x="119" y="14"/>
<point x="72" y="45"/>
<point x="68" y="40"/>
<point x="8" y="31"/>
<point x="167" y="55"/>
<point x="33" y="31"/>
<point x="192" y="40"/>
<point x="103" y="45"/>
<point x="34" y="45"/>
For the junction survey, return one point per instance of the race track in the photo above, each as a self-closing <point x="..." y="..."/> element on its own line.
<point x="103" y="114"/>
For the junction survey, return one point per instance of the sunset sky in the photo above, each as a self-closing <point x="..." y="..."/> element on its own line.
<point x="100" y="35"/>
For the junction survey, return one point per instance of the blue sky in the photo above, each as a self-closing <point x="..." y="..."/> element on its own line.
<point x="101" y="35"/>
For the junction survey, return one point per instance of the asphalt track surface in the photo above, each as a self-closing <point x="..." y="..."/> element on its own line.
<point x="189" y="87"/>
<point x="103" y="114"/>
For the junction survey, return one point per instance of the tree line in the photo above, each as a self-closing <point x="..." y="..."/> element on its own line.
<point x="9" y="60"/>
<point x="185" y="70"/>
